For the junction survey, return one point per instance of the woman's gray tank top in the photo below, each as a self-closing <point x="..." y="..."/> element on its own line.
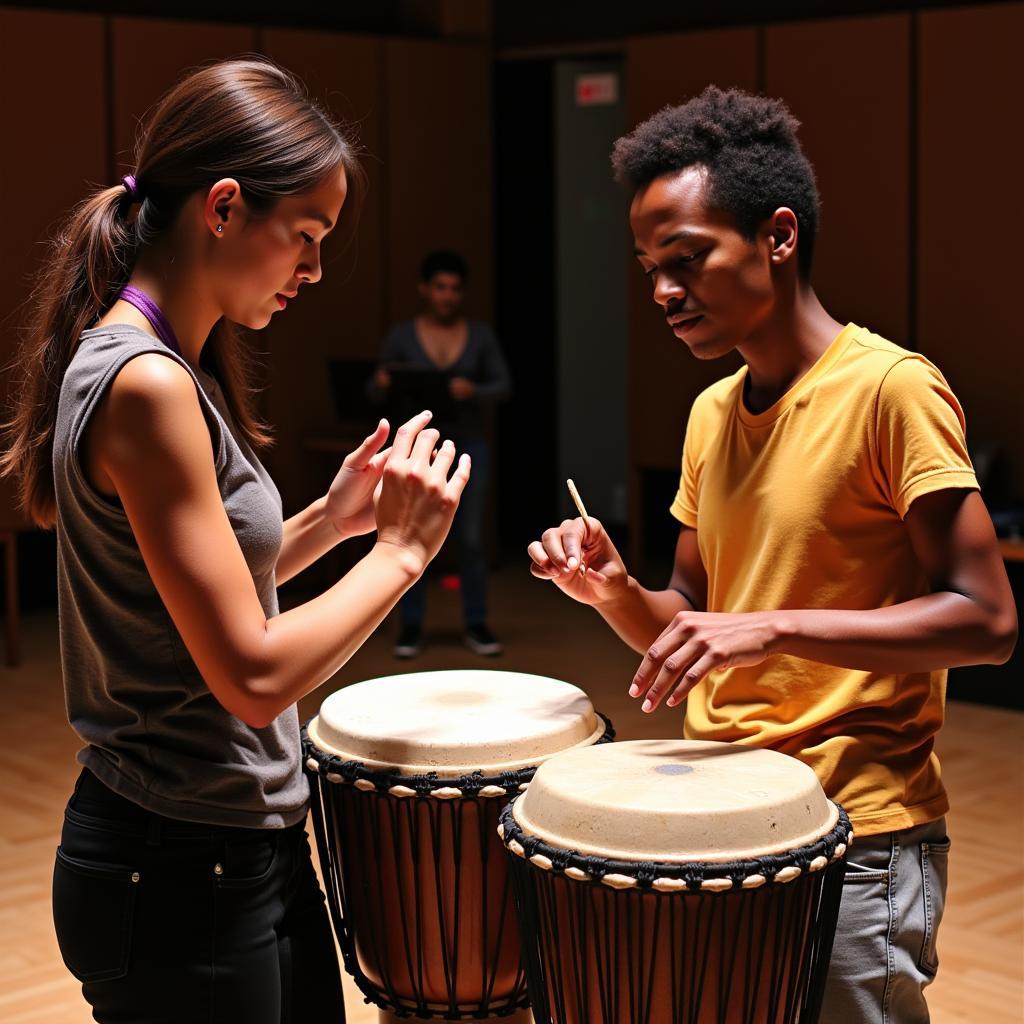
<point x="153" y="731"/>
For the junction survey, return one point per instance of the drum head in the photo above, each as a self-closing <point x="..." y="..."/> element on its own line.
<point x="675" y="801"/>
<point x="455" y="722"/>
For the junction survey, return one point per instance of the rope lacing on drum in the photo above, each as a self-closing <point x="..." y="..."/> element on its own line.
<point x="472" y="784"/>
<point x="645" y="875"/>
<point x="664" y="876"/>
<point x="348" y="770"/>
<point x="510" y="782"/>
<point x="561" y="860"/>
<point x="595" y="866"/>
<point x="424" y="785"/>
<point x="629" y="957"/>
<point x="356" y="825"/>
<point x="770" y="866"/>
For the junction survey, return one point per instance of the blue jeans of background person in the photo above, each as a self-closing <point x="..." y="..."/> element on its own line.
<point x="166" y="921"/>
<point x="884" y="955"/>
<point x="468" y="532"/>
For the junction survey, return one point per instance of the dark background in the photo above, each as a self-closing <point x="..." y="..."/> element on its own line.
<point x="911" y="117"/>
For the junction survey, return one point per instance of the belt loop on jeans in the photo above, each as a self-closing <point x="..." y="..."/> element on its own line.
<point x="154" y="831"/>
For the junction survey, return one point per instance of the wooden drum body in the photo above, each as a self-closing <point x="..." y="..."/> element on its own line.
<point x="408" y="776"/>
<point x="673" y="882"/>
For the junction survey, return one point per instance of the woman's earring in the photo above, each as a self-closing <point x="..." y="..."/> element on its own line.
<point x="220" y="228"/>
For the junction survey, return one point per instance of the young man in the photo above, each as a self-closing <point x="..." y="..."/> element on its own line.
<point x="834" y="556"/>
<point x="466" y="354"/>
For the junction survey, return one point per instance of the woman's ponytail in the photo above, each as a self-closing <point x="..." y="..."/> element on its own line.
<point x="88" y="263"/>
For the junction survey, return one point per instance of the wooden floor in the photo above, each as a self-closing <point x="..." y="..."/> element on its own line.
<point x="981" y="944"/>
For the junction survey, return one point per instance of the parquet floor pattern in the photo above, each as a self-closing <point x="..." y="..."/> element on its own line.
<point x="981" y="945"/>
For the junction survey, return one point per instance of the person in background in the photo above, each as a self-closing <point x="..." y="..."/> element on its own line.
<point x="467" y="352"/>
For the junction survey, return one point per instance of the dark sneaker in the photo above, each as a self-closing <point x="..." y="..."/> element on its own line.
<point x="480" y="640"/>
<point x="408" y="644"/>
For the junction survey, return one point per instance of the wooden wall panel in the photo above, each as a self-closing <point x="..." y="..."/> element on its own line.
<point x="342" y="316"/>
<point x="59" y="151"/>
<point x="664" y="378"/>
<point x="150" y="55"/>
<point x="56" y="128"/>
<point x="971" y="223"/>
<point x="848" y="82"/>
<point x="439" y="167"/>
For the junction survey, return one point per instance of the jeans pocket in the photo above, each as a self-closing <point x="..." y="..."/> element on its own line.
<point x="93" y="914"/>
<point x="868" y="863"/>
<point x="856" y="875"/>
<point x="934" y="874"/>
<point x="248" y="864"/>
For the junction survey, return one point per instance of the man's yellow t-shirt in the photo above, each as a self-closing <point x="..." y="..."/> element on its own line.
<point x="802" y="506"/>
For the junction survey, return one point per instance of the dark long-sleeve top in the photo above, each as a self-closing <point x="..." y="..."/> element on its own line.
<point x="481" y="362"/>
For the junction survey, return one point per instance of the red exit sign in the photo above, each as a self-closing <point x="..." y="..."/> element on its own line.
<point x="597" y="90"/>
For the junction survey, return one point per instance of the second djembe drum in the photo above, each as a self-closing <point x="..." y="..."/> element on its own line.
<point x="673" y="882"/>
<point x="408" y="775"/>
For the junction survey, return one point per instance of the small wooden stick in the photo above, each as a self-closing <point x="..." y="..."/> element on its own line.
<point x="582" y="511"/>
<point x="576" y="498"/>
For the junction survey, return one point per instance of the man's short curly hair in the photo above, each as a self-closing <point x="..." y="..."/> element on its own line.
<point x="749" y="147"/>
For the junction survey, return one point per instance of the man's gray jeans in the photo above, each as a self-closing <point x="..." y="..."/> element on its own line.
<point x="884" y="955"/>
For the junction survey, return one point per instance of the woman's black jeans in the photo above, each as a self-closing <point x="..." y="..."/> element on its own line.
<point x="167" y="922"/>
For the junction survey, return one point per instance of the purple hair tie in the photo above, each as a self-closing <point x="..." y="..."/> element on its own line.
<point x="132" y="186"/>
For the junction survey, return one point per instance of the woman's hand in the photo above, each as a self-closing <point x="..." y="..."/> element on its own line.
<point x="382" y="379"/>
<point x="349" y="503"/>
<point x="695" y="643"/>
<point x="416" y="501"/>
<point x="580" y="559"/>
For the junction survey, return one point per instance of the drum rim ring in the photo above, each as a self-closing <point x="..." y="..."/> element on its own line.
<point x="681" y="877"/>
<point x="421" y="786"/>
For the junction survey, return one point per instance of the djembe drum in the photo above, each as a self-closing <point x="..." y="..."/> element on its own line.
<point x="673" y="882"/>
<point x="408" y="776"/>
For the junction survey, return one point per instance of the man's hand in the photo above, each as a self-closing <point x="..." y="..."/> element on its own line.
<point x="580" y="559"/>
<point x="694" y="644"/>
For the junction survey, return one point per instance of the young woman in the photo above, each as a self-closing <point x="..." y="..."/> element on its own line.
<point x="183" y="888"/>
